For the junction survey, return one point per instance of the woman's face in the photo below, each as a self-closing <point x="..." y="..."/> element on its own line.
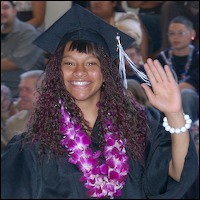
<point x="82" y="75"/>
<point x="103" y="9"/>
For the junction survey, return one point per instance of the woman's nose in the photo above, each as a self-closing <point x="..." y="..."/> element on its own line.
<point x="80" y="71"/>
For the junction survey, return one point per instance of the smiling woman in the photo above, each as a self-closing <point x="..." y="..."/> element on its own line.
<point x="87" y="134"/>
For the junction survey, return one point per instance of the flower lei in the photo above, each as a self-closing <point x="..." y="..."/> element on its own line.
<point x="106" y="180"/>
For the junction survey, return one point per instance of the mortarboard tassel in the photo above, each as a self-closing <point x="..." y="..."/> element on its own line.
<point x="122" y="69"/>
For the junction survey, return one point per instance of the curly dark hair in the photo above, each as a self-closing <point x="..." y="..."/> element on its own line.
<point x="127" y="116"/>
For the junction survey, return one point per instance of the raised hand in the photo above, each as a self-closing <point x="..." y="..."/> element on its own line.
<point x="165" y="96"/>
<point x="165" y="93"/>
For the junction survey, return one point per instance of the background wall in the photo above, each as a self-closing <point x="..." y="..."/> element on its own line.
<point x="55" y="9"/>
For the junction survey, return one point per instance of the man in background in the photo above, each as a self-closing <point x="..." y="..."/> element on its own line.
<point x="30" y="82"/>
<point x="18" y="54"/>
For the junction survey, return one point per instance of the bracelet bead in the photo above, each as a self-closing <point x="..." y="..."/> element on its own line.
<point x="172" y="130"/>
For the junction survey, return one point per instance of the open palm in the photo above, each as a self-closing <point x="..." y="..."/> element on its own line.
<point x="165" y="93"/>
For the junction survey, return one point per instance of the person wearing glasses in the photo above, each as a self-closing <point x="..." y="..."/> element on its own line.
<point x="171" y="9"/>
<point x="183" y="58"/>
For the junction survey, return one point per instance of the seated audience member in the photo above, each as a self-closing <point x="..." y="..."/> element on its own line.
<point x="172" y="9"/>
<point x="113" y="13"/>
<point x="18" y="54"/>
<point x="149" y="13"/>
<point x="136" y="91"/>
<point x="32" y="12"/>
<point x="30" y="82"/>
<point x="134" y="53"/>
<point x="183" y="58"/>
<point x="6" y="102"/>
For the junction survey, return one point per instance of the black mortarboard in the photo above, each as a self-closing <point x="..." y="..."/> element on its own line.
<point x="79" y="23"/>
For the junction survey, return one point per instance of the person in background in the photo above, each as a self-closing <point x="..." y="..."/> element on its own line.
<point x="149" y="13"/>
<point x="32" y="12"/>
<point x="183" y="58"/>
<point x="137" y="92"/>
<point x="113" y="13"/>
<point x="172" y="9"/>
<point x="6" y="102"/>
<point x="30" y="83"/>
<point x="135" y="55"/>
<point x="18" y="54"/>
<point x="86" y="137"/>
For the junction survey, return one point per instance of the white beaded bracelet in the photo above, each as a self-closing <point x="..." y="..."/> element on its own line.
<point x="167" y="127"/>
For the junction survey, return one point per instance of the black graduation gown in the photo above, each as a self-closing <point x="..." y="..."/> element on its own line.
<point x="23" y="177"/>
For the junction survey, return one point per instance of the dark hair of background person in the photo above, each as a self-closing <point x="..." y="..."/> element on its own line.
<point x="182" y="20"/>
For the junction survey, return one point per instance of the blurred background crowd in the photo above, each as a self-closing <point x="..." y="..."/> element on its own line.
<point x="163" y="30"/>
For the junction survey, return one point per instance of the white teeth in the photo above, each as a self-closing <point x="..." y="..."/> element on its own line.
<point x="80" y="83"/>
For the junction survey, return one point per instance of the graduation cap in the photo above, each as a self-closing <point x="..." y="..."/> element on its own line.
<point x="79" y="23"/>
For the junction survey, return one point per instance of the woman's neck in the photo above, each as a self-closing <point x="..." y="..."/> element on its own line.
<point x="90" y="112"/>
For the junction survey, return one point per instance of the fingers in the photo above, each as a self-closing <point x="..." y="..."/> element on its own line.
<point x="155" y="71"/>
<point x="169" y="73"/>
<point x="149" y="72"/>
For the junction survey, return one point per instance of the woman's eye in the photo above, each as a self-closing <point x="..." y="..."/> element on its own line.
<point x="91" y="63"/>
<point x="68" y="63"/>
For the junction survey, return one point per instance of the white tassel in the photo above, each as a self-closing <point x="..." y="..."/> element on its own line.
<point x="122" y="69"/>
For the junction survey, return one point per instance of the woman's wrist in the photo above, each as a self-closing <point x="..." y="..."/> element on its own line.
<point x="175" y="118"/>
<point x="177" y="125"/>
